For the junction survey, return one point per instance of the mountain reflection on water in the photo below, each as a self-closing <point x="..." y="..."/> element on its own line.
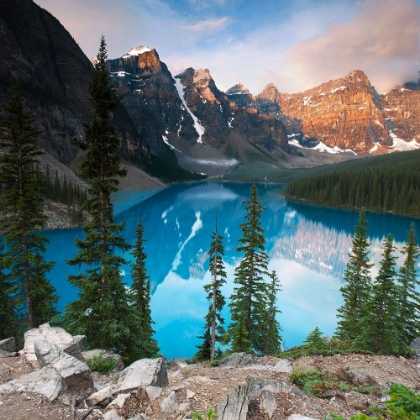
<point x="307" y="245"/>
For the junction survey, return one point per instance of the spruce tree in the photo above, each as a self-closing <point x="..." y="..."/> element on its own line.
<point x="141" y="291"/>
<point x="22" y="217"/>
<point x="379" y="326"/>
<point x="248" y="306"/>
<point x="103" y="311"/>
<point x="272" y="343"/>
<point x="214" y="319"/>
<point x="356" y="291"/>
<point x="8" y="319"/>
<point x="408" y="296"/>
<point x="315" y="342"/>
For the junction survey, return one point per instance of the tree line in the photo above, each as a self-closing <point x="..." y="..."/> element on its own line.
<point x="391" y="188"/>
<point x="64" y="191"/>
<point x="254" y="327"/>
<point x="380" y="315"/>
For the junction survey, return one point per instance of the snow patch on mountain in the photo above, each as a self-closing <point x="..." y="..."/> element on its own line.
<point x="402" y="145"/>
<point x="198" y="127"/>
<point x="137" y="51"/>
<point x="166" y="141"/>
<point x="321" y="147"/>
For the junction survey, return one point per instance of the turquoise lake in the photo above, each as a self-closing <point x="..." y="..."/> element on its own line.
<point x="307" y="245"/>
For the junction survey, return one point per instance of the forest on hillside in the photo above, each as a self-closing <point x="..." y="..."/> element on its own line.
<point x="389" y="186"/>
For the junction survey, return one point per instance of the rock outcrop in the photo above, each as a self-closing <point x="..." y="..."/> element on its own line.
<point x="72" y="345"/>
<point x="73" y="371"/>
<point x="47" y="382"/>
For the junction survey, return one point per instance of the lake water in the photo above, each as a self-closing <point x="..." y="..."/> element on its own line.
<point x="307" y="245"/>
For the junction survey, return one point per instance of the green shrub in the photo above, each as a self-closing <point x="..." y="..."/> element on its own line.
<point x="101" y="365"/>
<point x="404" y="404"/>
<point x="210" y="415"/>
<point x="311" y="381"/>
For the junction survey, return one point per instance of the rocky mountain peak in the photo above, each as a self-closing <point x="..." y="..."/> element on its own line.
<point x="238" y="89"/>
<point x="136" y="51"/>
<point x="269" y="92"/>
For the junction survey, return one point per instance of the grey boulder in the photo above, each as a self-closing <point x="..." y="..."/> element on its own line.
<point x="8" y="344"/>
<point x="73" y="371"/>
<point x="47" y="382"/>
<point x="143" y="373"/>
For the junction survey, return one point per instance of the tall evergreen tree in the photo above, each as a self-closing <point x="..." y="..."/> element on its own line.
<point x="248" y="307"/>
<point x="214" y="320"/>
<point x="379" y="326"/>
<point x="102" y="312"/>
<point x="23" y="218"/>
<point x="272" y="343"/>
<point x="8" y="319"/>
<point x="408" y="296"/>
<point x="356" y="291"/>
<point x="141" y="291"/>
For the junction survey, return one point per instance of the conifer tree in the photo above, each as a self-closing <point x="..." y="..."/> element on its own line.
<point x="272" y="339"/>
<point x="248" y="307"/>
<point x="22" y="217"/>
<point x="356" y="291"/>
<point x="141" y="291"/>
<point x="214" y="319"/>
<point x="8" y="319"/>
<point x="103" y="311"/>
<point x="379" y="326"/>
<point x="408" y="296"/>
<point x="315" y="341"/>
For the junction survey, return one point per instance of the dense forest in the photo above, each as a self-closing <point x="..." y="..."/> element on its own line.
<point x="389" y="186"/>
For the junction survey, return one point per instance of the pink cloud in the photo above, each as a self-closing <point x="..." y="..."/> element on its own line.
<point x="382" y="39"/>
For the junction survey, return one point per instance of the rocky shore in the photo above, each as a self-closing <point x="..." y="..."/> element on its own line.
<point x="50" y="379"/>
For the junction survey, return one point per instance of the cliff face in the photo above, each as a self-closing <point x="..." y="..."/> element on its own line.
<point x="151" y="98"/>
<point x="39" y="53"/>
<point x="345" y="113"/>
<point x="401" y="108"/>
<point x="208" y="104"/>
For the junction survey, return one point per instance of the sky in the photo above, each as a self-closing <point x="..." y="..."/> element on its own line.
<point x="295" y="44"/>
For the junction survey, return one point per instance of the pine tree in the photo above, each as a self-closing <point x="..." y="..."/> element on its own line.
<point x="408" y="296"/>
<point x="272" y="340"/>
<point x="316" y="342"/>
<point x="23" y="218"/>
<point x="141" y="290"/>
<point x="356" y="291"/>
<point x="8" y="319"/>
<point x="248" y="307"/>
<point x="379" y="326"/>
<point x="214" y="319"/>
<point x="103" y="311"/>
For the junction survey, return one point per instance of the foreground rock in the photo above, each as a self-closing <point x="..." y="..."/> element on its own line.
<point x="47" y="382"/>
<point x="140" y="374"/>
<point x="73" y="371"/>
<point x="7" y="347"/>
<point x="244" y="360"/>
<point x="73" y="345"/>
<point x="256" y="391"/>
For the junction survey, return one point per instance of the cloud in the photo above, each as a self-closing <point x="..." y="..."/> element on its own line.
<point x="256" y="57"/>
<point x="208" y="25"/>
<point x="382" y="39"/>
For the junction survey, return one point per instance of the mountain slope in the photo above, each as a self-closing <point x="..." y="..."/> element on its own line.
<point x="38" y="52"/>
